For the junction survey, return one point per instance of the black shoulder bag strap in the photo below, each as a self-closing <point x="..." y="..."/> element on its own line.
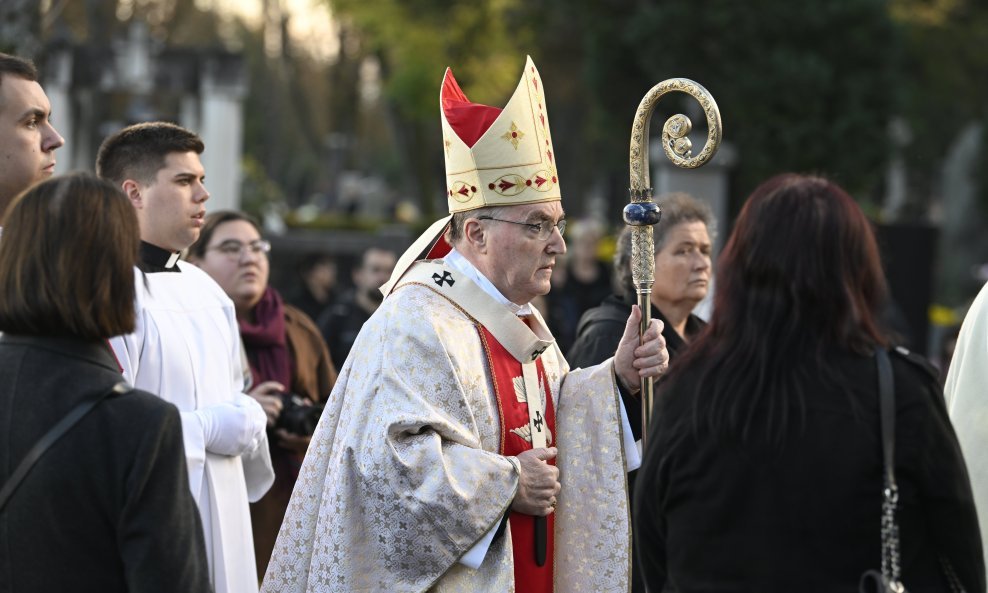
<point x="51" y="437"/>
<point x="891" y="566"/>
<point x="891" y="569"/>
<point x="889" y="579"/>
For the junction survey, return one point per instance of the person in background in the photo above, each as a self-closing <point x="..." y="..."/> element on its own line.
<point x="28" y="139"/>
<point x="764" y="470"/>
<point x="286" y="355"/>
<point x="107" y="507"/>
<point x="185" y="346"/>
<point x="341" y="323"/>
<point x="682" y="276"/>
<point x="317" y="289"/>
<point x="580" y="283"/>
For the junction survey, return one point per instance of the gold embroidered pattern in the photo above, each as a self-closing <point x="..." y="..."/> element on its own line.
<point x="513" y="184"/>
<point x="418" y="363"/>
<point x="461" y="191"/>
<point x="513" y="135"/>
<point x="525" y="431"/>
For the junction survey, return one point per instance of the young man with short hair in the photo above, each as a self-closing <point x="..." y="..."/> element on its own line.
<point x="186" y="347"/>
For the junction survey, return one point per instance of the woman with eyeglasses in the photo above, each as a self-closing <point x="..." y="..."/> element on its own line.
<point x="289" y="363"/>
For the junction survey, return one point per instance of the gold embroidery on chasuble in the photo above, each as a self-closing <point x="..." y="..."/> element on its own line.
<point x="525" y="430"/>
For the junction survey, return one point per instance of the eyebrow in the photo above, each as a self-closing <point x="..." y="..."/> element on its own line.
<point x="188" y="175"/>
<point x="691" y="242"/>
<point x="35" y="112"/>
<point x="540" y="216"/>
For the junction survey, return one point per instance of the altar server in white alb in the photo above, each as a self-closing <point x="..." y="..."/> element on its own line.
<point x="457" y="434"/>
<point x="966" y="392"/>
<point x="186" y="347"/>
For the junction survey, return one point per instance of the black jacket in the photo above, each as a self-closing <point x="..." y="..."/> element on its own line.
<point x="717" y="513"/>
<point x="108" y="507"/>
<point x="599" y="332"/>
<point x="340" y="325"/>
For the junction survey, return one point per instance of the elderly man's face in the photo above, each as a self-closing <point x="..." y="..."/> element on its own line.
<point x="519" y="263"/>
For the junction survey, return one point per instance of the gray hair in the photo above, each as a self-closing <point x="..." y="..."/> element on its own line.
<point x="460" y="219"/>
<point x="676" y="208"/>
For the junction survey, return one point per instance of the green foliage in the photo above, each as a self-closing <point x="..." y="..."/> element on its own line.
<point x="804" y="87"/>
<point x="259" y="193"/>
<point x="416" y="40"/>
<point x="947" y="85"/>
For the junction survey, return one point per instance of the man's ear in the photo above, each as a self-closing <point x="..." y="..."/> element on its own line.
<point x="475" y="233"/>
<point x="132" y="190"/>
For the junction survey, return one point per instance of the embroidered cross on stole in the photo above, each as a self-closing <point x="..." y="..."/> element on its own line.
<point x="517" y="428"/>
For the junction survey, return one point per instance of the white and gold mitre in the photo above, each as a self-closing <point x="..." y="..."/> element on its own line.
<point x="498" y="157"/>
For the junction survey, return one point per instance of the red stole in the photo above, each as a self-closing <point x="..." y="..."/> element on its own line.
<point x="509" y="387"/>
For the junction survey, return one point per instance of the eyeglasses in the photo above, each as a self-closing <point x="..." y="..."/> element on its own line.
<point x="542" y="229"/>
<point x="235" y="249"/>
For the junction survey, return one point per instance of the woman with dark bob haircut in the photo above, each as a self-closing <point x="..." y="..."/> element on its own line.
<point x="763" y="470"/>
<point x="108" y="506"/>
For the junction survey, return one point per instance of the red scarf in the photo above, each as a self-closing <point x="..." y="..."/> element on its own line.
<point x="266" y="341"/>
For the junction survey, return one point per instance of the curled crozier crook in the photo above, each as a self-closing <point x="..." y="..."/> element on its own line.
<point x="675" y="139"/>
<point x="642" y="213"/>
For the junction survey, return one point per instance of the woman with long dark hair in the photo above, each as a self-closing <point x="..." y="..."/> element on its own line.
<point x="763" y="470"/>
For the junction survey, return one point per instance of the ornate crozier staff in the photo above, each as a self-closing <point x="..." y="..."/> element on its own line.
<point x="642" y="212"/>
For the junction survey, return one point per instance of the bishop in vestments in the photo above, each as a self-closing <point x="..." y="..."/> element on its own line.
<point x="458" y="451"/>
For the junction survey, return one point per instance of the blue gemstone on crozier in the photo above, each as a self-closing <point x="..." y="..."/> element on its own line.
<point x="642" y="214"/>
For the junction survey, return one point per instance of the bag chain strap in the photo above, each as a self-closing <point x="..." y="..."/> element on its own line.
<point x="891" y="568"/>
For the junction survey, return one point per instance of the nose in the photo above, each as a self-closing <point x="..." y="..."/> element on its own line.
<point x="247" y="255"/>
<point x="703" y="262"/>
<point x="555" y="243"/>
<point x="52" y="139"/>
<point x="203" y="194"/>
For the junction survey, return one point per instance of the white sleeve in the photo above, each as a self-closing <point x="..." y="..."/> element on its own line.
<point x="632" y="452"/>
<point x="127" y="348"/>
<point x="258" y="469"/>
<point x="233" y="428"/>
<point x="475" y="556"/>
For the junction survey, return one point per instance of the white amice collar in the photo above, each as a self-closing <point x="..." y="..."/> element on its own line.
<point x="454" y="259"/>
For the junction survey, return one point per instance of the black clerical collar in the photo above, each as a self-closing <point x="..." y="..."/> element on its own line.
<point x="156" y="259"/>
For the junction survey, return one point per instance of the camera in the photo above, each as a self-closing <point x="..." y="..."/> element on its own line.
<point x="297" y="415"/>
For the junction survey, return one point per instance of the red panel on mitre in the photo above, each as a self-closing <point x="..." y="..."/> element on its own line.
<point x="468" y="120"/>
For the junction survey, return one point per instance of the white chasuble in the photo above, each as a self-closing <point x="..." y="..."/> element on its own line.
<point x="186" y="349"/>
<point x="966" y="392"/>
<point x="402" y="476"/>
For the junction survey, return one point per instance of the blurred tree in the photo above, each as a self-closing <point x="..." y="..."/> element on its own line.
<point x="945" y="100"/>
<point x="413" y="42"/>
<point x="947" y="88"/>
<point x="801" y="87"/>
<point x="20" y="27"/>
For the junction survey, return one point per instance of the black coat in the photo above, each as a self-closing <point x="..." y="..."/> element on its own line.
<point x="597" y="338"/>
<point x="717" y="513"/>
<point x="598" y="334"/>
<point x="108" y="507"/>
